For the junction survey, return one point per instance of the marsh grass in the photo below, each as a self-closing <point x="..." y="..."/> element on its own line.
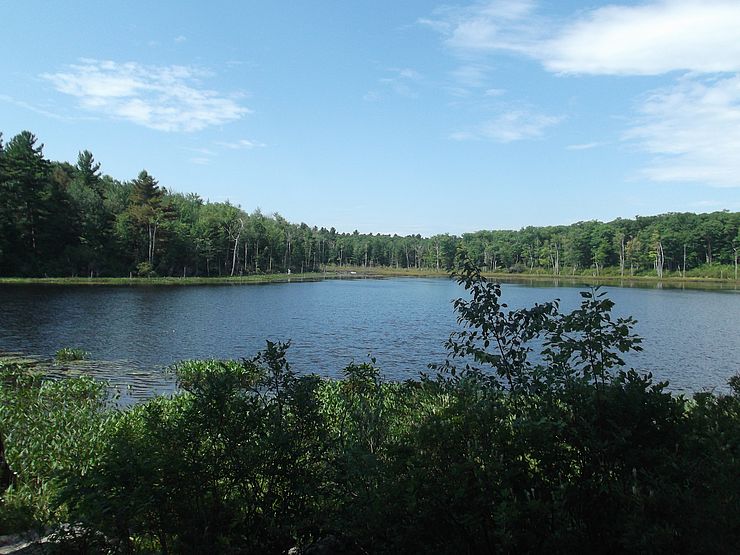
<point x="70" y="354"/>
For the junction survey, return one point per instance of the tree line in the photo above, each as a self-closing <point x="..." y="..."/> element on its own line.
<point x="63" y="219"/>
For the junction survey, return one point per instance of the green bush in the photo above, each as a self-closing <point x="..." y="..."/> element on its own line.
<point x="237" y="459"/>
<point x="47" y="428"/>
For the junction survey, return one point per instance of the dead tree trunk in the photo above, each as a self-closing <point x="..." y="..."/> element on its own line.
<point x="659" y="259"/>
<point x="236" y="245"/>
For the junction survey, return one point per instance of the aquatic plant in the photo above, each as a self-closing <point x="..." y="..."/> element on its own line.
<point x="70" y="354"/>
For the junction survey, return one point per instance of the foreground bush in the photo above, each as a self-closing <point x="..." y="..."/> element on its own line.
<point x="47" y="428"/>
<point x="494" y="453"/>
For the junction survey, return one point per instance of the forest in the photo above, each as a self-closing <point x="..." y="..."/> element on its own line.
<point x="60" y="219"/>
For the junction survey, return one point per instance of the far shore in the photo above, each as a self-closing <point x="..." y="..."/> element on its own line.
<point x="350" y="272"/>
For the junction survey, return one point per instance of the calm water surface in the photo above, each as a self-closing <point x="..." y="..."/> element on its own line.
<point x="691" y="337"/>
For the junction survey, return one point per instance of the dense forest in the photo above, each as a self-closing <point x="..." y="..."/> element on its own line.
<point x="60" y="219"/>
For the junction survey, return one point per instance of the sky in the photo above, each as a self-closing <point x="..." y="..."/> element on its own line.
<point x="391" y="117"/>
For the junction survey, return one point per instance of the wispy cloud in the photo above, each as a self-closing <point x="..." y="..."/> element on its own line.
<point x="32" y="108"/>
<point x="510" y="126"/>
<point x="400" y="81"/>
<point x="497" y="24"/>
<point x="165" y="98"/>
<point x="179" y="39"/>
<point x="471" y="75"/>
<point x="645" y="39"/>
<point x="584" y="146"/>
<point x="200" y="150"/>
<point x="693" y="130"/>
<point x="241" y="144"/>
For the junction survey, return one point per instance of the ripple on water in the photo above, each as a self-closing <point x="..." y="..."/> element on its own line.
<point x="692" y="337"/>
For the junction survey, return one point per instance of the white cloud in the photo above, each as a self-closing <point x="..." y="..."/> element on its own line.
<point x="693" y="130"/>
<point x="515" y="125"/>
<point x="471" y="75"/>
<point x="649" y="39"/>
<point x="371" y="96"/>
<point x="31" y="107"/>
<point x="408" y="73"/>
<point x="179" y="39"/>
<point x="166" y="98"/>
<point x="584" y="146"/>
<point x="493" y="25"/>
<point x="462" y="136"/>
<point x="401" y="81"/>
<point x="241" y="144"/>
<point x="645" y="39"/>
<point x="199" y="150"/>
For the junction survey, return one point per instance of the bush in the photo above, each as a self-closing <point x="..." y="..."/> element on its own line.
<point x="145" y="269"/>
<point x="237" y="459"/>
<point x="47" y="428"/>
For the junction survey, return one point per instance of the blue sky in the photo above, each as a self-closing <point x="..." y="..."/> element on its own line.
<point x="393" y="117"/>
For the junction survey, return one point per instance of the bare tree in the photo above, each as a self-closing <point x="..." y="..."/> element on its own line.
<point x="235" y="232"/>
<point x="659" y="259"/>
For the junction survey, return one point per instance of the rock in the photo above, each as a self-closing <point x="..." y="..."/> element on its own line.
<point x="28" y="543"/>
<point x="67" y="538"/>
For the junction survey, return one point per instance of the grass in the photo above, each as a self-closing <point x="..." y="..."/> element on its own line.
<point x="261" y="278"/>
<point x="606" y="278"/>
<point x="343" y="272"/>
<point x="70" y="354"/>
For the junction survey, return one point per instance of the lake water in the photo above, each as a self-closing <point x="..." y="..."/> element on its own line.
<point x="691" y="337"/>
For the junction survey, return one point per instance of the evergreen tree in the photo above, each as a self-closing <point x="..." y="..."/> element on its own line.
<point x="26" y="194"/>
<point x="146" y="211"/>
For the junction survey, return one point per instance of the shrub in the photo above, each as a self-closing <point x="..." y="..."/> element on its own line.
<point x="234" y="460"/>
<point x="47" y="428"/>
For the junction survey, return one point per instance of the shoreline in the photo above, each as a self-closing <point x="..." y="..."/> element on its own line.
<point x="351" y="272"/>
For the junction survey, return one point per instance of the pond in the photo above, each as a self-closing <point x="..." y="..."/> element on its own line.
<point x="133" y="333"/>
